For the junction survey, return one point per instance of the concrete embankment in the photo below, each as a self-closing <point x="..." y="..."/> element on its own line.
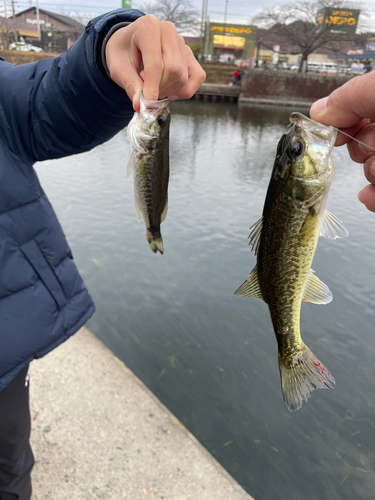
<point x="99" y="433"/>
<point x="274" y="88"/>
<point x="284" y="87"/>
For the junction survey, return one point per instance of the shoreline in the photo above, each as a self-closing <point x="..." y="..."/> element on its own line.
<point x="98" y="432"/>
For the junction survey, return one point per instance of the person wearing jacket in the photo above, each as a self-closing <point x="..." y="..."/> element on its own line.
<point x="53" y="108"/>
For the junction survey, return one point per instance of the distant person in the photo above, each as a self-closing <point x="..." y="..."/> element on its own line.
<point x="52" y="108"/>
<point x="352" y="108"/>
<point x="368" y="66"/>
<point x="235" y="77"/>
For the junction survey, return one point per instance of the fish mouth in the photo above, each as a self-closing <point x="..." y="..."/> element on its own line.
<point x="144" y="129"/>
<point x="323" y="134"/>
<point x="155" y="108"/>
<point x="154" y="111"/>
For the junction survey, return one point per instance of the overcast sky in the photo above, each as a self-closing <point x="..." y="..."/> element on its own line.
<point x="239" y="11"/>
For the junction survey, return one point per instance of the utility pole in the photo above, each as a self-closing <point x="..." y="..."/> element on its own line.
<point x="203" y="20"/>
<point x="204" y="25"/>
<point x="5" y="8"/>
<point x="14" y="22"/>
<point x="38" y="20"/>
<point x="207" y="35"/>
<point x="226" y="11"/>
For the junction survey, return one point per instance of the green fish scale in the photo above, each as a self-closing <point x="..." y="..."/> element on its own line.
<point x="288" y="242"/>
<point x="152" y="199"/>
<point x="151" y="173"/>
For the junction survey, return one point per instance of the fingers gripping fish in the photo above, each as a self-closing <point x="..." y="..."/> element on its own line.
<point x="284" y="241"/>
<point x="148" y="132"/>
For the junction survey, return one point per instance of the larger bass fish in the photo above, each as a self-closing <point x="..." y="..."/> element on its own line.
<point x="148" y="132"/>
<point x="284" y="241"/>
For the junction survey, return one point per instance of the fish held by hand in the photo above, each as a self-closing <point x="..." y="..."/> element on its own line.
<point x="284" y="241"/>
<point x="148" y="132"/>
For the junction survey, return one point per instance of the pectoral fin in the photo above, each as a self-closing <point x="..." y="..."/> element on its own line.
<point x="332" y="228"/>
<point x="316" y="291"/>
<point x="250" y="288"/>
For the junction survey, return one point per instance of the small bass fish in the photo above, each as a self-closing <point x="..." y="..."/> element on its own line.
<point x="284" y="241"/>
<point x="148" y="132"/>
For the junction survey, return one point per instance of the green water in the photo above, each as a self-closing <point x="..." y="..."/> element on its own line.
<point x="209" y="356"/>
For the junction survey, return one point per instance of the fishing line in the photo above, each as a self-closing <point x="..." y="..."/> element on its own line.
<point x="354" y="139"/>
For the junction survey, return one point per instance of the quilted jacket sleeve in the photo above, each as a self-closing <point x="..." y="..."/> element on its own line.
<point x="65" y="105"/>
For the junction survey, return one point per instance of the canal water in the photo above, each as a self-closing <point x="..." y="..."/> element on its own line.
<point x="209" y="356"/>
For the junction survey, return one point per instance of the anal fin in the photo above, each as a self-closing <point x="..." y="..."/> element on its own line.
<point x="316" y="291"/>
<point x="138" y="212"/>
<point x="164" y="213"/>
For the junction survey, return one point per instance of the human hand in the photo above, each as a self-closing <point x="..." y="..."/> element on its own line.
<point x="149" y="55"/>
<point x="352" y="108"/>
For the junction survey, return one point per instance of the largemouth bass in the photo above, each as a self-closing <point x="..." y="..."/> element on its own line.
<point x="284" y="241"/>
<point x="148" y="132"/>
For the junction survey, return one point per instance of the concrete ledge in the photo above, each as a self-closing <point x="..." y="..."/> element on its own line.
<point x="218" y="89"/>
<point x="99" y="433"/>
<point x="274" y="101"/>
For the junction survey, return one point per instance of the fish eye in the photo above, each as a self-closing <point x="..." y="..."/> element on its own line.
<point x="296" y="149"/>
<point x="161" y="120"/>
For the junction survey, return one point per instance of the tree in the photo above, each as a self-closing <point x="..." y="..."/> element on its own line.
<point x="81" y="17"/>
<point x="295" y="24"/>
<point x="181" y="13"/>
<point x="5" y="32"/>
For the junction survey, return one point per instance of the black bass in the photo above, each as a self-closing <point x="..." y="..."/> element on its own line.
<point x="148" y="132"/>
<point x="284" y="241"/>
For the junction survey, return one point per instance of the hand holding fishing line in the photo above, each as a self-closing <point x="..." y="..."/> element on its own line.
<point x="149" y="55"/>
<point x="352" y="108"/>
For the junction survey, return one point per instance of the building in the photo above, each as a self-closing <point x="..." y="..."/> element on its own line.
<point x="231" y="41"/>
<point x="56" y="33"/>
<point x="276" y="48"/>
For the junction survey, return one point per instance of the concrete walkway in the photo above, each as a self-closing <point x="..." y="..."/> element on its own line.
<point x="99" y="433"/>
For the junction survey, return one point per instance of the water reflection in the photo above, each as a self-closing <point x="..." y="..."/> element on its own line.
<point x="210" y="356"/>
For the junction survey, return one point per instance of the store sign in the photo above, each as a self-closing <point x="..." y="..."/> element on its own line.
<point x="229" y="42"/>
<point x="35" y="21"/>
<point x="338" y="19"/>
<point x="232" y="29"/>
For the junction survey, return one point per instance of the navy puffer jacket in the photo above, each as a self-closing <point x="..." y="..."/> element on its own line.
<point x="49" y="109"/>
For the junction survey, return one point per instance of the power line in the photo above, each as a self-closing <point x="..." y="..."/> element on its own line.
<point x="229" y="14"/>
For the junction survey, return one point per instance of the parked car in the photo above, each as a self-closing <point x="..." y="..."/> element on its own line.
<point x="24" y="47"/>
<point x="356" y="69"/>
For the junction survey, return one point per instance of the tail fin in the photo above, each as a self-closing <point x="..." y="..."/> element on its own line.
<point x="155" y="241"/>
<point x="304" y="375"/>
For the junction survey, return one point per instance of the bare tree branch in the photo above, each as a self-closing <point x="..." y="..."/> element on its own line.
<point x="181" y="13"/>
<point x="295" y="24"/>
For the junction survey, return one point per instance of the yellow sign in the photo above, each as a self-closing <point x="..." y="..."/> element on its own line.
<point x="231" y="29"/>
<point x="339" y="20"/>
<point x="342" y="13"/>
<point x="230" y="42"/>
